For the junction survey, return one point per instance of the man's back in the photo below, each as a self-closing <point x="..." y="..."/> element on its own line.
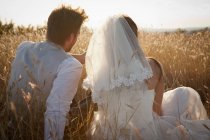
<point x="34" y="70"/>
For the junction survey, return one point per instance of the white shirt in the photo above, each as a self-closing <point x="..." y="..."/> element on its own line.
<point x="58" y="102"/>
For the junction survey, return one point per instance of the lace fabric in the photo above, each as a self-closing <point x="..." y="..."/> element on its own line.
<point x="119" y="81"/>
<point x="114" y="57"/>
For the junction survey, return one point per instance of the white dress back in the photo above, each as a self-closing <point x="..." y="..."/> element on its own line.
<point x="125" y="113"/>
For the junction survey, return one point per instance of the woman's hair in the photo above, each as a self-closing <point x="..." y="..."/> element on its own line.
<point x="132" y="24"/>
<point x="64" y="21"/>
<point x="161" y="72"/>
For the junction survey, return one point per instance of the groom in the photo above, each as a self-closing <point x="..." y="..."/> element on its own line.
<point x="46" y="70"/>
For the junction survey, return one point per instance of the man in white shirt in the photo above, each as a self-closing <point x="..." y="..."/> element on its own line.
<point x="45" y="69"/>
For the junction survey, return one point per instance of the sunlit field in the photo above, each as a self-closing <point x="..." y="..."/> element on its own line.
<point x="185" y="57"/>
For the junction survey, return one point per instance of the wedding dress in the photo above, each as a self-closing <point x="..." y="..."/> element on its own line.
<point x="116" y="69"/>
<point x="116" y="73"/>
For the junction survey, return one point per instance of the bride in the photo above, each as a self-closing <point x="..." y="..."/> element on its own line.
<point x="116" y="72"/>
<point x="118" y="75"/>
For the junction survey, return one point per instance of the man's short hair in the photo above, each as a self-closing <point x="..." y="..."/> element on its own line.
<point x="62" y="22"/>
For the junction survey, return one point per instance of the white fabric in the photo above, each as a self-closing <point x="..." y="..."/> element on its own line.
<point x="183" y="100"/>
<point x="114" y="57"/>
<point x="126" y="113"/>
<point x="116" y="69"/>
<point x="184" y="116"/>
<point x="61" y="95"/>
<point x="191" y="123"/>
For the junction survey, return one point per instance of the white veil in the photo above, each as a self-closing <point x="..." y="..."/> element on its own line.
<point x="114" y="57"/>
<point x="116" y="66"/>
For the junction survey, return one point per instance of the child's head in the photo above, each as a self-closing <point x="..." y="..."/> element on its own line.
<point x="158" y="73"/>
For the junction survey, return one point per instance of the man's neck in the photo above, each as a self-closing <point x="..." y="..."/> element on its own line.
<point x="56" y="45"/>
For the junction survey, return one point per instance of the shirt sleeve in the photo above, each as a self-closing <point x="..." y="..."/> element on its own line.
<point x="23" y="45"/>
<point x="62" y="93"/>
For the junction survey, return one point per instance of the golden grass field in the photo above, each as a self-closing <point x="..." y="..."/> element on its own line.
<point x="185" y="57"/>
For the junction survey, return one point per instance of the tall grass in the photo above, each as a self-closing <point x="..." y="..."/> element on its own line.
<point x="185" y="57"/>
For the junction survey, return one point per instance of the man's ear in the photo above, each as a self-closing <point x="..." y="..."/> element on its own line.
<point x="72" y="39"/>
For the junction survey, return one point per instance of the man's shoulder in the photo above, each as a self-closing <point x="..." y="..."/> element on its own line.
<point x="24" y="44"/>
<point x="73" y="61"/>
<point x="69" y="64"/>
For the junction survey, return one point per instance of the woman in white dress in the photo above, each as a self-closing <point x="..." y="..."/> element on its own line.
<point x="179" y="110"/>
<point x="116" y="72"/>
<point x="120" y="78"/>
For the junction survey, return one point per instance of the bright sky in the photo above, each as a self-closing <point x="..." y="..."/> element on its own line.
<point x="146" y="13"/>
